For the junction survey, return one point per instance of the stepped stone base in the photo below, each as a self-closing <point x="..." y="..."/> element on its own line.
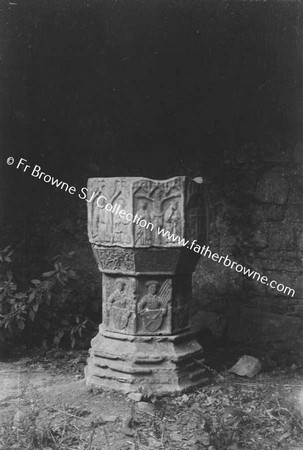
<point x="147" y="364"/>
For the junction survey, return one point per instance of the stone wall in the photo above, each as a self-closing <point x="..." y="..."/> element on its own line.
<point x="256" y="216"/>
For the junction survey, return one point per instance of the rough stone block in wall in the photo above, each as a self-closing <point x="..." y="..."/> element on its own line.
<point x="272" y="188"/>
<point x="282" y="237"/>
<point x="269" y="213"/>
<point x="260" y="236"/>
<point x="294" y="213"/>
<point x="276" y="261"/>
<point x="298" y="153"/>
<point x="300" y="241"/>
<point x="296" y="191"/>
<point x="255" y="326"/>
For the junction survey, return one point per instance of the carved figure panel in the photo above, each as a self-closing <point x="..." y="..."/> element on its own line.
<point x="105" y="198"/>
<point x="159" y="203"/>
<point x="119" y="304"/>
<point x="154" y="308"/>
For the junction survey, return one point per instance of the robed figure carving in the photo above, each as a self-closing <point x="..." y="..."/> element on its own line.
<point x="153" y="306"/>
<point x="117" y="309"/>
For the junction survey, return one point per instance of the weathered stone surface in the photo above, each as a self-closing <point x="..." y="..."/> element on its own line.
<point x="298" y="152"/>
<point x="145" y="407"/>
<point x="135" y="396"/>
<point x="255" y="326"/>
<point x="128" y="211"/>
<point x="155" y="261"/>
<point x="282" y="237"/>
<point x="247" y="366"/>
<point x="296" y="191"/>
<point x="272" y="188"/>
<point x="260" y="237"/>
<point x="269" y="213"/>
<point x="140" y="363"/>
<point x="146" y="282"/>
<point x="277" y="261"/>
<point x="145" y="305"/>
<point x="294" y="213"/>
<point x="300" y="241"/>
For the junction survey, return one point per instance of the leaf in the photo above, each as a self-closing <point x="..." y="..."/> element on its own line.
<point x="56" y="340"/>
<point x="45" y="324"/>
<point x="61" y="333"/>
<point x="20" y="295"/>
<point x="31" y="296"/>
<point x="72" y="273"/>
<point x="35" y="307"/>
<point x="32" y="315"/>
<point x="65" y="322"/>
<point x="49" y="274"/>
<point x="35" y="282"/>
<point x="9" y="275"/>
<point x="20" y="324"/>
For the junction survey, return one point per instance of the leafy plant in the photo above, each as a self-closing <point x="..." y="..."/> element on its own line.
<point x="49" y="311"/>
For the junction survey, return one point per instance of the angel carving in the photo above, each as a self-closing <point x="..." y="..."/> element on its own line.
<point x="153" y="306"/>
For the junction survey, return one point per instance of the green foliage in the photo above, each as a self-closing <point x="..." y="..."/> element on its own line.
<point x="51" y="311"/>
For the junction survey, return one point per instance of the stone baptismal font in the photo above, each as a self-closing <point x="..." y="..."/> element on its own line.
<point x="138" y="230"/>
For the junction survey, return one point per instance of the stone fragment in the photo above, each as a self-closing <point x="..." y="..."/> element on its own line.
<point x="247" y="366"/>
<point x="135" y="396"/>
<point x="109" y="418"/>
<point x="145" y="407"/>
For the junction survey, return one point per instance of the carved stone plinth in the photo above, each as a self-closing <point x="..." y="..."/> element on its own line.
<point x="144" y="342"/>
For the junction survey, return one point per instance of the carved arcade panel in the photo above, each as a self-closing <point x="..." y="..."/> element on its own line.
<point x="137" y="306"/>
<point x="105" y="197"/>
<point x="161" y="204"/>
<point x="139" y="212"/>
<point x="119" y="304"/>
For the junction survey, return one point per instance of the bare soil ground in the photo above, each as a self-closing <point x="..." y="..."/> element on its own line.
<point x="44" y="404"/>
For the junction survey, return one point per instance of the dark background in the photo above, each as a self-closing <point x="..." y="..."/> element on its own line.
<point x="156" y="89"/>
<point x="141" y="88"/>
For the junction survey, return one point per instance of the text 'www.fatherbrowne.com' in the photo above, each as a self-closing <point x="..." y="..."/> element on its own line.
<point x="102" y="202"/>
<point x="206" y="252"/>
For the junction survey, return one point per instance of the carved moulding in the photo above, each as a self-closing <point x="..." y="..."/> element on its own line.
<point x="151" y="261"/>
